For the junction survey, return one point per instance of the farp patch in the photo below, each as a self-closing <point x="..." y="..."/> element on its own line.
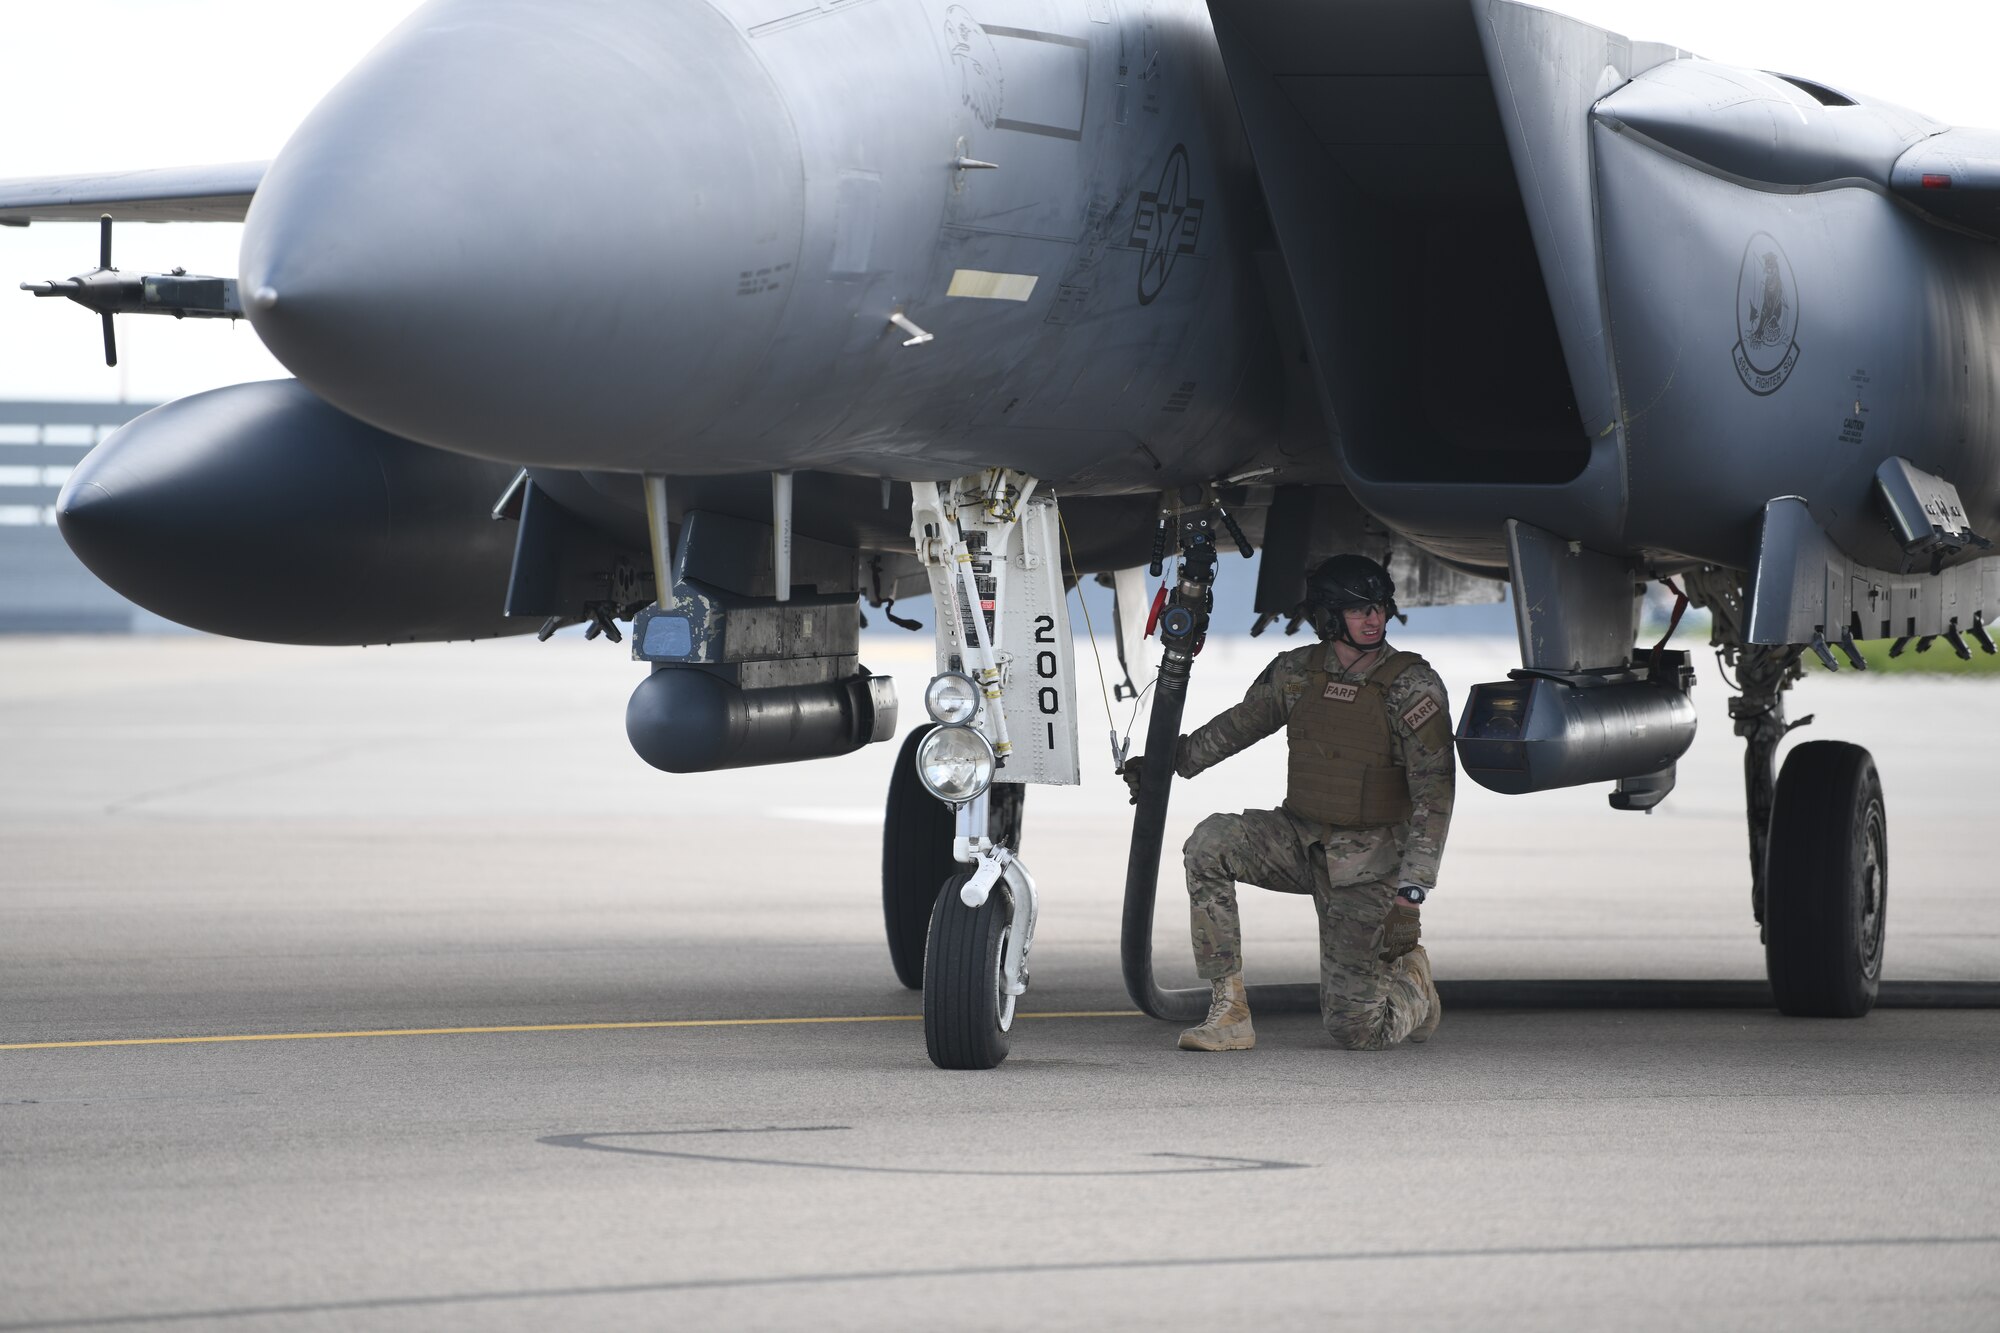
<point x="1342" y="691"/>
<point x="1426" y="720"/>
<point x="1420" y="712"/>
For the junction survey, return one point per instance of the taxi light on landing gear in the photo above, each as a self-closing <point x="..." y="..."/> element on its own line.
<point x="952" y="698"/>
<point x="955" y="764"/>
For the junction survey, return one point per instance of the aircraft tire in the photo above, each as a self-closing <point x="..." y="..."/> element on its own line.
<point x="1826" y="883"/>
<point x="916" y="858"/>
<point x="963" y="1006"/>
<point x="917" y="831"/>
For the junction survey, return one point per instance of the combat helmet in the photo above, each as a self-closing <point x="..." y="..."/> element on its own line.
<point x="1346" y="581"/>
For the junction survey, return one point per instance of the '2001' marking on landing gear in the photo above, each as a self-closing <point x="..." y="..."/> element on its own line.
<point x="1048" y="698"/>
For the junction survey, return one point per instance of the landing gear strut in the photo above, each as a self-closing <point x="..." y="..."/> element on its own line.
<point x="1819" y="847"/>
<point x="1764" y="674"/>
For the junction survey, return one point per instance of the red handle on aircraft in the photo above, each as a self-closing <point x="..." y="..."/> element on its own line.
<point x="1153" y="616"/>
<point x="1680" y="609"/>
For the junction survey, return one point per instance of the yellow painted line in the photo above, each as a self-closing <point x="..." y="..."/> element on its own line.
<point x="522" y="1027"/>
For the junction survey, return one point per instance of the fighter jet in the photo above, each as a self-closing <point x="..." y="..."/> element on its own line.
<point x="708" y="320"/>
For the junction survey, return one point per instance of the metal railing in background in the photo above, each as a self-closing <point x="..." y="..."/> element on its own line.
<point x="44" y="588"/>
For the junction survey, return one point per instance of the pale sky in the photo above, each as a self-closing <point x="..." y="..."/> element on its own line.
<point x="110" y="84"/>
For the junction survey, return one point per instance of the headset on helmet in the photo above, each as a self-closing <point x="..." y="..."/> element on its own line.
<point x="1342" y="582"/>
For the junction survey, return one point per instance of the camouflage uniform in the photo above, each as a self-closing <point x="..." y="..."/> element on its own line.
<point x="1352" y="874"/>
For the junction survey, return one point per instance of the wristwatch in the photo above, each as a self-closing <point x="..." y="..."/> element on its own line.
<point x="1412" y="894"/>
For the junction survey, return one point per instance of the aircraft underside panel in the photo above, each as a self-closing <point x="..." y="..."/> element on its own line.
<point x="1307" y="524"/>
<point x="1805" y="590"/>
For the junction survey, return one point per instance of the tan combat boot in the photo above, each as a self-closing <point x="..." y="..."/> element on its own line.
<point x="1417" y="964"/>
<point x="1227" y="1027"/>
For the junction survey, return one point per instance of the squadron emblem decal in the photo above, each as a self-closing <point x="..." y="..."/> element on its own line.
<point x="1166" y="225"/>
<point x="1767" y="316"/>
<point x="981" y="86"/>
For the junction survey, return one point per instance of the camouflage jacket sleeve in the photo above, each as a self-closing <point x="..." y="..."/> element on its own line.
<point x="1420" y="720"/>
<point x="1266" y="705"/>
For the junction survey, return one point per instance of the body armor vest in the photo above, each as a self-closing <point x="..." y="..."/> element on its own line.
<point x="1343" y="767"/>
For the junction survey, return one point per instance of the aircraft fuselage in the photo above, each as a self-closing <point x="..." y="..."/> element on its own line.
<point x="671" y="237"/>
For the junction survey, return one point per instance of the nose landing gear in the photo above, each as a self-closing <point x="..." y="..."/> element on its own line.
<point x="1002" y="704"/>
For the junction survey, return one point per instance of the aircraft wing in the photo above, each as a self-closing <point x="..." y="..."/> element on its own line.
<point x="167" y="194"/>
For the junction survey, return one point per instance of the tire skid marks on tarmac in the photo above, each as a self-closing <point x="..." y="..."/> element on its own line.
<point x="987" y="1272"/>
<point x="1195" y="1163"/>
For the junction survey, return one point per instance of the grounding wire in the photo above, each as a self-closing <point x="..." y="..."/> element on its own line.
<point x="1103" y="690"/>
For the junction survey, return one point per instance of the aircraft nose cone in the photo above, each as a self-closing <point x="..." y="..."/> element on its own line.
<point x="522" y="230"/>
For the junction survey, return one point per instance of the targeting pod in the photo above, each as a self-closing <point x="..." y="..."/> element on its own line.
<point x="1540" y="730"/>
<point x="691" y="720"/>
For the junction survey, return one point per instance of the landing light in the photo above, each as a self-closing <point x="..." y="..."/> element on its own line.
<point x="955" y="764"/>
<point x="952" y="699"/>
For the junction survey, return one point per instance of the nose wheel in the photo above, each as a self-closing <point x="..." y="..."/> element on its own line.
<point x="967" y="1009"/>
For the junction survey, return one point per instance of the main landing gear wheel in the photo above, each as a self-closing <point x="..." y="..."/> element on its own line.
<point x="916" y="854"/>
<point x="1826" y="883"/>
<point x="967" y="1012"/>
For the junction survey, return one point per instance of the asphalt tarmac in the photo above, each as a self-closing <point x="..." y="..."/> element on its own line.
<point x="390" y="991"/>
